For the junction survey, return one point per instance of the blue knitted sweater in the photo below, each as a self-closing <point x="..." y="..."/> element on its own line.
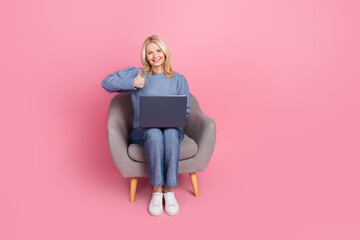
<point x="156" y="84"/>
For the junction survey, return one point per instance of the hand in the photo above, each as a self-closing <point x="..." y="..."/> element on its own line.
<point x="139" y="81"/>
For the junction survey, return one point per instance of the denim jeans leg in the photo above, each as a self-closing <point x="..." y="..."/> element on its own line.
<point x="137" y="136"/>
<point x="172" y="141"/>
<point x="154" y="149"/>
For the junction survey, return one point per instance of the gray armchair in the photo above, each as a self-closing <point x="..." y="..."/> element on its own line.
<point x="195" y="152"/>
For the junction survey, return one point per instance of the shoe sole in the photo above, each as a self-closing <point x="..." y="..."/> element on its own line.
<point x="173" y="214"/>
<point x="155" y="215"/>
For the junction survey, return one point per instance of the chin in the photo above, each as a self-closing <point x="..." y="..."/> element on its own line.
<point x="157" y="65"/>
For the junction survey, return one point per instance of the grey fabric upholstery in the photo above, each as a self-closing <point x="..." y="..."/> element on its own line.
<point x="200" y="135"/>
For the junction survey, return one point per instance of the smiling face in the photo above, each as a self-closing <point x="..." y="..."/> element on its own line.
<point x="155" y="55"/>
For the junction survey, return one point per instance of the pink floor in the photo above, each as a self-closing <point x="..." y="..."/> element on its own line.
<point x="280" y="78"/>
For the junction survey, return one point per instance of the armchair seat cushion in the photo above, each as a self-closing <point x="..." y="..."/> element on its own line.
<point x="188" y="149"/>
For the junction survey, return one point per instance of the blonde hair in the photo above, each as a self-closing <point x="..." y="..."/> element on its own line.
<point x="166" y="65"/>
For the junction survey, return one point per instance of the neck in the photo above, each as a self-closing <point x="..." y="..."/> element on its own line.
<point x="158" y="69"/>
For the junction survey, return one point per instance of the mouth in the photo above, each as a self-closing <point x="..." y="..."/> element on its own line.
<point x="156" y="60"/>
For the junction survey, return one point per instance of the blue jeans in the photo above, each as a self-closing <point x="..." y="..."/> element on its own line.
<point x="162" y="149"/>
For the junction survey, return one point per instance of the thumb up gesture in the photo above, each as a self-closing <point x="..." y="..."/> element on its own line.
<point x="139" y="81"/>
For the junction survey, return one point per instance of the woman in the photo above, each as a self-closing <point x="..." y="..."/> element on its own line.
<point x="162" y="145"/>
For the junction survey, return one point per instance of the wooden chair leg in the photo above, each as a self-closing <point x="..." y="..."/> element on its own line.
<point x="194" y="184"/>
<point x="133" y="184"/>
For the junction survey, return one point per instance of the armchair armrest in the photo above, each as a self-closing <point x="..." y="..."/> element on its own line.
<point x="118" y="129"/>
<point x="202" y="129"/>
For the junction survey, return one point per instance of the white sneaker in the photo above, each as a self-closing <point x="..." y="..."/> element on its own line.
<point x="171" y="205"/>
<point x="156" y="204"/>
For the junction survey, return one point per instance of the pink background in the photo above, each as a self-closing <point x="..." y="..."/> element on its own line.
<point x="280" y="78"/>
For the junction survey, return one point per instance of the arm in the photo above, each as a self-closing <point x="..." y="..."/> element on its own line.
<point x="121" y="81"/>
<point x="184" y="90"/>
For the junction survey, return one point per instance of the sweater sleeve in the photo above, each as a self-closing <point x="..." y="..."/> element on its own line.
<point x="121" y="81"/>
<point x="184" y="90"/>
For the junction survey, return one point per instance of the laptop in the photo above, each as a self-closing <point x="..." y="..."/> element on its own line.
<point x="162" y="111"/>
